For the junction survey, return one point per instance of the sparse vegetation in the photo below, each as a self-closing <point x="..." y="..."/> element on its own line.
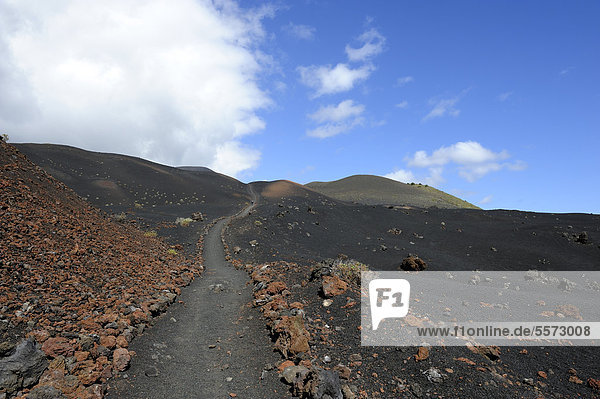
<point x="150" y="233"/>
<point x="172" y="251"/>
<point x="120" y="217"/>
<point x="349" y="270"/>
<point x="183" y="222"/>
<point x="4" y="137"/>
<point x="137" y="205"/>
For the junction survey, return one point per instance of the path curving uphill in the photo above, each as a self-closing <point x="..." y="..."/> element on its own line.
<point x="211" y="346"/>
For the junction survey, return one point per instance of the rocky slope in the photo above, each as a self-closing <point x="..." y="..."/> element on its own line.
<point x="76" y="282"/>
<point x="151" y="195"/>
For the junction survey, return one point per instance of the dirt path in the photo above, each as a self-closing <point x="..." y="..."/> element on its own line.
<point x="212" y="346"/>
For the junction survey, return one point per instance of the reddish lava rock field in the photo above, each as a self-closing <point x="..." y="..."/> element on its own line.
<point x="78" y="283"/>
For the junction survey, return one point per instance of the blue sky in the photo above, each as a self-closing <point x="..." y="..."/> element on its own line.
<point x="495" y="102"/>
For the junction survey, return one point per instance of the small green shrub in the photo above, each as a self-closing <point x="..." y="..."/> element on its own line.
<point x="349" y="270"/>
<point x="150" y="233"/>
<point x="120" y="217"/>
<point x="171" y="251"/>
<point x="183" y="222"/>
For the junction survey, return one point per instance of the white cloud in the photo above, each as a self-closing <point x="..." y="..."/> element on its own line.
<point x="326" y="79"/>
<point x="372" y="44"/>
<point x="336" y="119"/>
<point x="565" y="71"/>
<point x="304" y="32"/>
<point x="486" y="200"/>
<point x="280" y="86"/>
<point x="402" y="104"/>
<point x="443" y="107"/>
<point x="334" y="128"/>
<point x="472" y="159"/>
<point x="462" y="153"/>
<point x="401" y="175"/>
<point x="177" y="85"/>
<point x="435" y="176"/>
<point x="504" y="96"/>
<point x="477" y="171"/>
<point x="407" y="176"/>
<point x="404" y="80"/>
<point x="232" y="158"/>
<point x="336" y="113"/>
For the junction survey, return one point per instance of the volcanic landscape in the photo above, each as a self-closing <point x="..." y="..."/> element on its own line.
<point x="123" y="278"/>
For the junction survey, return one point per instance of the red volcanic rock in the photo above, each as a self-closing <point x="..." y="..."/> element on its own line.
<point x="413" y="264"/>
<point x="108" y="341"/>
<point x="333" y="285"/>
<point x="276" y="287"/>
<point x="122" y="342"/>
<point x="138" y="317"/>
<point x="58" y="346"/>
<point x="69" y="268"/>
<point x="121" y="359"/>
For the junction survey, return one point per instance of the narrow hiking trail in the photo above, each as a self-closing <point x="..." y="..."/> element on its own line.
<point x="211" y="346"/>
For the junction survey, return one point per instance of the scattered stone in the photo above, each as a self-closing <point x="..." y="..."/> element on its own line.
<point x="253" y="243"/>
<point x="276" y="287"/>
<point x="491" y="352"/>
<point x="542" y="374"/>
<point x="121" y="359"/>
<point x="465" y="360"/>
<point x="594" y="383"/>
<point x="151" y="371"/>
<point x="575" y="380"/>
<point x="326" y="384"/>
<point x="355" y="357"/>
<point x="327" y="303"/>
<point x="197" y="216"/>
<point x="333" y="285"/>
<point x="343" y="371"/>
<point x="45" y="392"/>
<point x="413" y="263"/>
<point x="582" y="238"/>
<point x="570" y="311"/>
<point x="292" y="337"/>
<point x="292" y="373"/>
<point x="528" y="381"/>
<point x="566" y="285"/>
<point x="434" y="375"/>
<point x="347" y="392"/>
<point x="23" y="368"/>
<point x="422" y="354"/>
<point x="416" y="390"/>
<point x="57" y="346"/>
<point x="327" y="359"/>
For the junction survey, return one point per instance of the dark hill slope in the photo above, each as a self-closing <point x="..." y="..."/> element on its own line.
<point x="67" y="270"/>
<point x="298" y="224"/>
<point x="303" y="228"/>
<point x="157" y="194"/>
<point x="377" y="190"/>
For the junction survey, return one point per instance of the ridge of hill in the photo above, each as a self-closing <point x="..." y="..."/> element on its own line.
<point x="377" y="190"/>
<point x="152" y="195"/>
<point x="75" y="280"/>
